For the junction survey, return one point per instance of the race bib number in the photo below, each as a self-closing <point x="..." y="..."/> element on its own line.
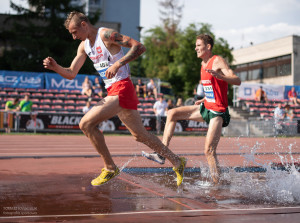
<point x="209" y="93"/>
<point x="101" y="67"/>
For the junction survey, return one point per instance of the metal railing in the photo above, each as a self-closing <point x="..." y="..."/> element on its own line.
<point x="256" y="127"/>
<point x="253" y="127"/>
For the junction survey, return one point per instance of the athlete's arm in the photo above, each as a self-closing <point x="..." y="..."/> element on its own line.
<point x="114" y="41"/>
<point x="6" y="107"/>
<point x="198" y="102"/>
<point x="221" y="70"/>
<point x="67" y="72"/>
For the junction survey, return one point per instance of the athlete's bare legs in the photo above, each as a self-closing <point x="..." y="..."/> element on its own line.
<point x="132" y="120"/>
<point x="106" y="109"/>
<point x="181" y="113"/>
<point x="212" y="139"/>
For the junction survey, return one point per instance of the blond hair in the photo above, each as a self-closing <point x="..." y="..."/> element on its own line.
<point x="77" y="17"/>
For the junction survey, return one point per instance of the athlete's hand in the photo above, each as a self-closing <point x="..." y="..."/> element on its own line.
<point x="199" y="101"/>
<point x="214" y="73"/>
<point x="111" y="71"/>
<point x="49" y="63"/>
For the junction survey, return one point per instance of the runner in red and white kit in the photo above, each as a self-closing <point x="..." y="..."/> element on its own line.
<point x="104" y="47"/>
<point x="213" y="108"/>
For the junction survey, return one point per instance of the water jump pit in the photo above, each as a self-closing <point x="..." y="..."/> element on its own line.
<point x="58" y="189"/>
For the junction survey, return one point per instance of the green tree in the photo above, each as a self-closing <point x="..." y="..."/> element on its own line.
<point x="158" y="56"/>
<point x="171" y="54"/>
<point x="161" y="41"/>
<point x="175" y="60"/>
<point x="171" y="12"/>
<point x="39" y="32"/>
<point x="185" y="71"/>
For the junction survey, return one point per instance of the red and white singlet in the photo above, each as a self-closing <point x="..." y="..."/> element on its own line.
<point x="103" y="59"/>
<point x="215" y="89"/>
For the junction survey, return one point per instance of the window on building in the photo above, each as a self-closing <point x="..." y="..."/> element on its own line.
<point x="243" y="75"/>
<point x="254" y="74"/>
<point x="273" y="67"/>
<point x="284" y="69"/>
<point x="269" y="72"/>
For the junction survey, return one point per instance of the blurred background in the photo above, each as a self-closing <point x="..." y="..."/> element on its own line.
<point x="259" y="40"/>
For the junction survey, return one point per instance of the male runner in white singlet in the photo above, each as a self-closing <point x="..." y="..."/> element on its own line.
<point x="104" y="47"/>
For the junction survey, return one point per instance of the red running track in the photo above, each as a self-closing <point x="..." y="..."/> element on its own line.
<point x="46" y="178"/>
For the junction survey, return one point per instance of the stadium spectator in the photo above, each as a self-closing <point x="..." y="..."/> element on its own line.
<point x="151" y="88"/>
<point x="279" y="115"/>
<point x="86" y="87"/>
<point x="97" y="87"/>
<point x="292" y="95"/>
<point x="159" y="108"/>
<point x="289" y="113"/>
<point x="25" y="105"/>
<point x="12" y="105"/>
<point x="198" y="91"/>
<point x="140" y="88"/>
<point x="170" y="104"/>
<point x="87" y="107"/>
<point x="260" y="95"/>
<point x="179" y="102"/>
<point x="279" y="112"/>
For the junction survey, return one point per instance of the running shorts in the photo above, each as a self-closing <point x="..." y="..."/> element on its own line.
<point x="207" y="115"/>
<point x="126" y="91"/>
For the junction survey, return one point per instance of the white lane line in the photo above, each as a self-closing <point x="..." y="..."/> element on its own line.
<point x="282" y="210"/>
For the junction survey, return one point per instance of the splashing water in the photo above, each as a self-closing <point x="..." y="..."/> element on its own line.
<point x="268" y="184"/>
<point x="273" y="186"/>
<point x="126" y="164"/>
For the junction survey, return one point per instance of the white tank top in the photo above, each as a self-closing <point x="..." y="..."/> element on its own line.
<point x="103" y="59"/>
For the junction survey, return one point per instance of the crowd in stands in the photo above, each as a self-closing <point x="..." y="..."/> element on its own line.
<point x="24" y="106"/>
<point x="76" y="101"/>
<point x="161" y="108"/>
<point x="70" y="101"/>
<point x="279" y="110"/>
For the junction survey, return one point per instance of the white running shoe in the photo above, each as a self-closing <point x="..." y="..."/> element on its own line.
<point x="154" y="157"/>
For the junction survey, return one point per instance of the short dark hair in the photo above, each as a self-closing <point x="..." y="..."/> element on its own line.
<point x="207" y="39"/>
<point x="16" y="99"/>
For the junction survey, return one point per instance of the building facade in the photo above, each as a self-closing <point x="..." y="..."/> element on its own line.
<point x="125" y="13"/>
<point x="274" y="62"/>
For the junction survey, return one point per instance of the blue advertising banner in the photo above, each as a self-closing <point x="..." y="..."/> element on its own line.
<point x="21" y="79"/>
<point x="274" y="92"/>
<point x="17" y="79"/>
<point x="288" y="88"/>
<point x="55" y="81"/>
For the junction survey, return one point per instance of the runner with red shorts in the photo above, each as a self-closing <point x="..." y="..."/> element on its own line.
<point x="104" y="48"/>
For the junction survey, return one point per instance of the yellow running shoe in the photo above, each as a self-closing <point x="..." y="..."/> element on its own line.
<point x="105" y="176"/>
<point x="180" y="170"/>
